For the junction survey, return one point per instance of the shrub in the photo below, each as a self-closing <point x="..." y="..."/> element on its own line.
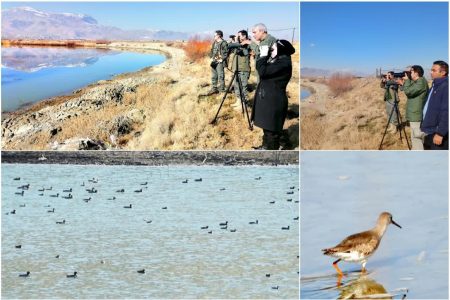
<point x="340" y="83"/>
<point x="197" y="49"/>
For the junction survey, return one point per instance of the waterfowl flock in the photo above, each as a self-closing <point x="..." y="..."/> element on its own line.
<point x="143" y="190"/>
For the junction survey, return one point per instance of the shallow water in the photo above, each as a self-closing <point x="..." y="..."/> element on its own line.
<point x="343" y="193"/>
<point x="30" y="74"/>
<point x="181" y="260"/>
<point x="304" y="93"/>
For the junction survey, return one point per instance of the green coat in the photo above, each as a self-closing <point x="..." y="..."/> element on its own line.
<point x="244" y="60"/>
<point x="269" y="41"/>
<point x="387" y="86"/>
<point x="219" y="50"/>
<point x="416" y="91"/>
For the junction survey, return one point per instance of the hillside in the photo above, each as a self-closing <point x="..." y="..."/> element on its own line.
<point x="354" y="120"/>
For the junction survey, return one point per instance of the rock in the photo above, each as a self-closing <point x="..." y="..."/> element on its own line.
<point x="124" y="124"/>
<point x="78" y="144"/>
<point x="55" y="131"/>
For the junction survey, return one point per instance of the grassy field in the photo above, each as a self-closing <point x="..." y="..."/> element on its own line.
<point x="347" y="117"/>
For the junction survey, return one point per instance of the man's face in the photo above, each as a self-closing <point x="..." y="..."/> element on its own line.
<point x="414" y="75"/>
<point x="241" y="37"/>
<point x="436" y="72"/>
<point x="389" y="76"/>
<point x="216" y="37"/>
<point x="257" y="34"/>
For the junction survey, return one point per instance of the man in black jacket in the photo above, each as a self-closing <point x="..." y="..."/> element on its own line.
<point x="270" y="105"/>
<point x="435" y="111"/>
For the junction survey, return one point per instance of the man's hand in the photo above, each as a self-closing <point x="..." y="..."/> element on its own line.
<point x="400" y="81"/>
<point x="437" y="139"/>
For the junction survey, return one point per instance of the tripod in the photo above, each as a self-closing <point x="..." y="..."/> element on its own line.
<point x="400" y="127"/>
<point x="244" y="103"/>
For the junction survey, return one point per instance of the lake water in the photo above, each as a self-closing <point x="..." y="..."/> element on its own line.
<point x="30" y="74"/>
<point x="180" y="259"/>
<point x="304" y="93"/>
<point x="344" y="192"/>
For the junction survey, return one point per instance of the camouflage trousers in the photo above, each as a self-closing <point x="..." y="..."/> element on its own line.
<point x="218" y="76"/>
<point x="243" y="76"/>
<point x="389" y="108"/>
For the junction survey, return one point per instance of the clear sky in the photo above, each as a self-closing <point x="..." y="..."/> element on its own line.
<point x="361" y="37"/>
<point x="230" y="17"/>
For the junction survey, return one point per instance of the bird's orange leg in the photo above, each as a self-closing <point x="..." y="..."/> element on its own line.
<point x="337" y="268"/>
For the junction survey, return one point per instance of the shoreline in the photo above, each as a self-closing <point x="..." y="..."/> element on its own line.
<point x="154" y="158"/>
<point x="66" y="106"/>
<point x="162" y="107"/>
<point x="117" y="46"/>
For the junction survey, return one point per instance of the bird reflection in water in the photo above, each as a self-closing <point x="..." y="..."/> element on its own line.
<point x="364" y="287"/>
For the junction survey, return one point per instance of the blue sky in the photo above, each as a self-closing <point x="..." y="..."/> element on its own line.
<point x="361" y="37"/>
<point x="181" y="16"/>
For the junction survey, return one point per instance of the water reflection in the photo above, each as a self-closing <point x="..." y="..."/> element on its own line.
<point x="304" y="93"/>
<point x="351" y="285"/>
<point x="354" y="189"/>
<point x="30" y="74"/>
<point x="362" y="287"/>
<point x="32" y="59"/>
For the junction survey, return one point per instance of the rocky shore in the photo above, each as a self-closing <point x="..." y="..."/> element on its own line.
<point x="153" y="158"/>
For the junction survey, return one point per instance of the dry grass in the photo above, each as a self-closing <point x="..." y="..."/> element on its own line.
<point x="355" y="120"/>
<point x="340" y="83"/>
<point x="196" y="49"/>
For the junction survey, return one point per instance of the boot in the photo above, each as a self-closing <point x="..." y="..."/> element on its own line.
<point x="272" y="140"/>
<point x="212" y="91"/>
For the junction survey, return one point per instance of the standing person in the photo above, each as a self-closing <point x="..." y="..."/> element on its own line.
<point x="389" y="84"/>
<point x="271" y="102"/>
<point x="240" y="58"/>
<point x="263" y="41"/>
<point x="218" y="55"/>
<point x="435" y="111"/>
<point x="416" y="90"/>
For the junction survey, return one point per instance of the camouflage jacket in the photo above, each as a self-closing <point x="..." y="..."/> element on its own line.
<point x="240" y="59"/>
<point x="219" y="50"/>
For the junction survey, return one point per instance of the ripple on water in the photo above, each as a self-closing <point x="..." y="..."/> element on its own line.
<point x="181" y="260"/>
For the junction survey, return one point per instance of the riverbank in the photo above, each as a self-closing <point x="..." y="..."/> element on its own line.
<point x="153" y="158"/>
<point x="157" y="108"/>
<point x="354" y="120"/>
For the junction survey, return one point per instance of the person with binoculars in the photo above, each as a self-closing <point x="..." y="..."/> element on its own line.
<point x="415" y="87"/>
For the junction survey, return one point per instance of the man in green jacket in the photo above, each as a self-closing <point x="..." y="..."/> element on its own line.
<point x="389" y="84"/>
<point x="240" y="63"/>
<point x="416" y="90"/>
<point x="264" y="42"/>
<point x="218" y="55"/>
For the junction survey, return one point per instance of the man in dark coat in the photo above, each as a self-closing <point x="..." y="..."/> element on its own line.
<point x="435" y="111"/>
<point x="271" y="103"/>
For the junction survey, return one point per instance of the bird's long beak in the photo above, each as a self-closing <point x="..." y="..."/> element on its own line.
<point x="392" y="221"/>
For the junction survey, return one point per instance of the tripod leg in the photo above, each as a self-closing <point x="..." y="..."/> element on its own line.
<point x="223" y="99"/>
<point x="243" y="100"/>
<point x="387" y="125"/>
<point x="403" y="128"/>
<point x="399" y="121"/>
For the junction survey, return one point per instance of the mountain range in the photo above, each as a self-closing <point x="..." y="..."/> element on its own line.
<point x="30" y="23"/>
<point x="315" y="72"/>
